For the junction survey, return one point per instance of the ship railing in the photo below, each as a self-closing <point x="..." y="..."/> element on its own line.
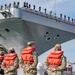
<point x="54" y="17"/>
<point x="27" y="7"/>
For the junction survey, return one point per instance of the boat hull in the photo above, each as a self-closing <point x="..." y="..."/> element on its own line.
<point x="15" y="32"/>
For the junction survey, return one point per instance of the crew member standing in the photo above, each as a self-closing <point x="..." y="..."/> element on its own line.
<point x="40" y="69"/>
<point x="29" y="59"/>
<point x="56" y="61"/>
<point x="1" y="59"/>
<point x="10" y="63"/>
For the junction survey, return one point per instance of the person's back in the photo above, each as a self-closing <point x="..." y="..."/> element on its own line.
<point x="29" y="60"/>
<point x="1" y="59"/>
<point x="56" y="61"/>
<point x="10" y="63"/>
<point x="40" y="69"/>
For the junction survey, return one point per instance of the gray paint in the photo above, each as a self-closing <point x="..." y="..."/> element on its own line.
<point x="29" y="25"/>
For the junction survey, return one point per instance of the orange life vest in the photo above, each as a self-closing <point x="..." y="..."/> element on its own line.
<point x="9" y="60"/>
<point x="27" y="55"/>
<point x="1" y="59"/>
<point x="54" y="59"/>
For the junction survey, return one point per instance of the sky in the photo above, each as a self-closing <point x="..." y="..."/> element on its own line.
<point x="65" y="7"/>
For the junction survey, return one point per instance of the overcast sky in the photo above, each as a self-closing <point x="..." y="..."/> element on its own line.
<point x="66" y="7"/>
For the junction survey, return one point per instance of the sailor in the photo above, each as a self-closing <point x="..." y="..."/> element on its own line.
<point x="29" y="59"/>
<point x="56" y="61"/>
<point x="40" y="69"/>
<point x="10" y="63"/>
<point x="1" y="59"/>
<point x="1" y="49"/>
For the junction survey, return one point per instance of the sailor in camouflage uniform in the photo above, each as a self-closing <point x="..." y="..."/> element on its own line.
<point x="56" y="61"/>
<point x="1" y="59"/>
<point x="29" y="59"/>
<point x="10" y="63"/>
<point x="1" y="49"/>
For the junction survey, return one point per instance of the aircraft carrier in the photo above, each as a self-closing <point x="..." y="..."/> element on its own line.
<point x="18" y="25"/>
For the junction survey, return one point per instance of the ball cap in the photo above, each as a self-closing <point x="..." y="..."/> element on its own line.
<point x="1" y="48"/>
<point x="1" y="52"/>
<point x="30" y="43"/>
<point x="11" y="49"/>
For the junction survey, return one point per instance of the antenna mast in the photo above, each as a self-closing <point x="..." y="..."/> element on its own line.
<point x="54" y="7"/>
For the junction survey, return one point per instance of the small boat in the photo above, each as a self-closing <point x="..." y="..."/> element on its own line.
<point x="69" y="69"/>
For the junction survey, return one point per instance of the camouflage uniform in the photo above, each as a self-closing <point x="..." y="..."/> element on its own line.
<point x="1" y="54"/>
<point x="12" y="70"/>
<point x="32" y="68"/>
<point x="1" y="50"/>
<point x="59" y="70"/>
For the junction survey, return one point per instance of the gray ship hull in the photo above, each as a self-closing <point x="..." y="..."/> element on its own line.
<point x="15" y="32"/>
